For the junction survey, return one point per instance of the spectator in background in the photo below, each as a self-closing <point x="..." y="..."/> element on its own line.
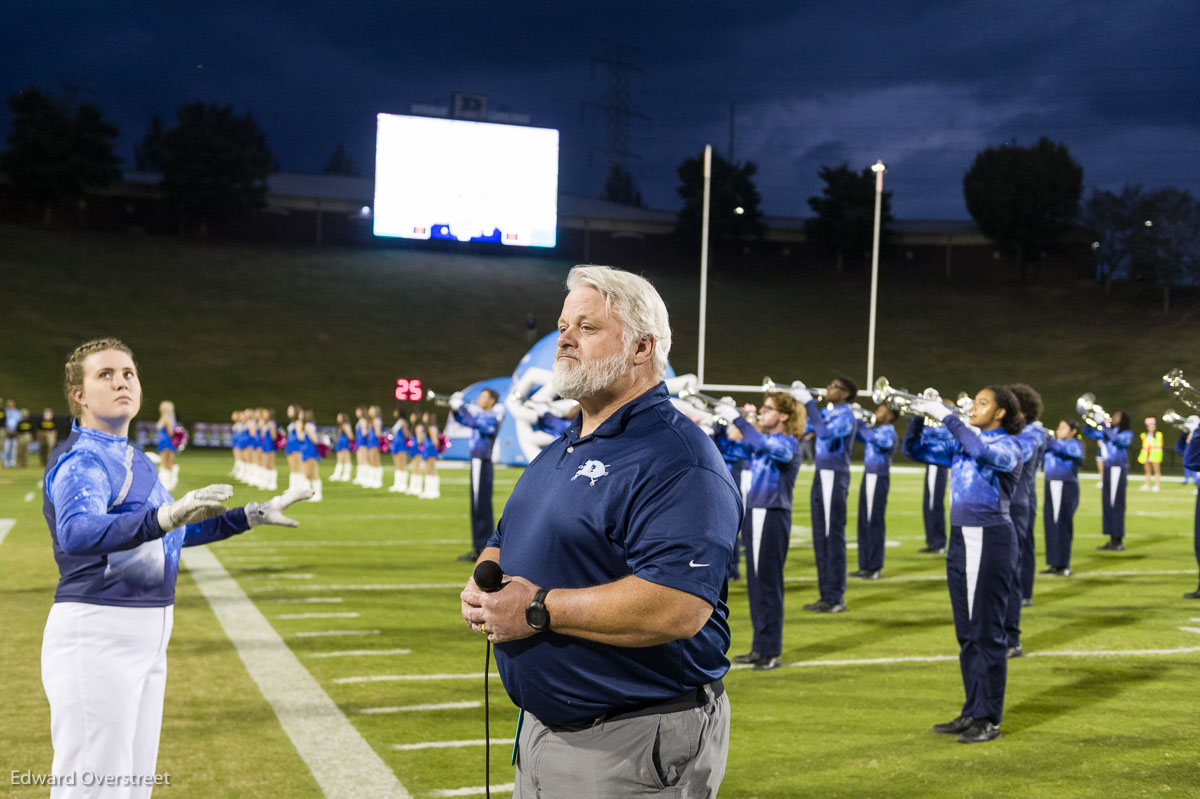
<point x="1152" y="453"/>
<point x="47" y="435"/>
<point x="11" y="418"/>
<point x="24" y="438"/>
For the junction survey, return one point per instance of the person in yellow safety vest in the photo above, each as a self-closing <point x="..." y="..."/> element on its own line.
<point x="1152" y="453"/>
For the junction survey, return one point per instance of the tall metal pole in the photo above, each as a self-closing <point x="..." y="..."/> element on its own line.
<point x="704" y="262"/>
<point x="878" y="168"/>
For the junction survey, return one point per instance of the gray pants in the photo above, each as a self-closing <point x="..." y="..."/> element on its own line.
<point x="679" y="754"/>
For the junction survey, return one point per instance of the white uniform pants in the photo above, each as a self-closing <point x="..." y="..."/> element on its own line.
<point x="104" y="669"/>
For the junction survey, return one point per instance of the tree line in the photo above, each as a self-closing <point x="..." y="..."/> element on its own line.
<point x="214" y="163"/>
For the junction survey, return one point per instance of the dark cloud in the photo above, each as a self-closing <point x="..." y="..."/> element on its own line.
<point x="922" y="85"/>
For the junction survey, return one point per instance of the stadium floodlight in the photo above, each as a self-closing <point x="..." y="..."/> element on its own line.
<point x="878" y="168"/>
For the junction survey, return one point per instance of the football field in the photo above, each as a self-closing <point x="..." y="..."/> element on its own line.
<point x="332" y="660"/>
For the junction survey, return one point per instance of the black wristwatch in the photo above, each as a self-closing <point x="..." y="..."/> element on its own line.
<point x="536" y="615"/>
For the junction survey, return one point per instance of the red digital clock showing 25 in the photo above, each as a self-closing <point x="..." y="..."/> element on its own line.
<point x="408" y="389"/>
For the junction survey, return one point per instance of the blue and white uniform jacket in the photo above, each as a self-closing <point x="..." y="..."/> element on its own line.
<point x="773" y="467"/>
<point x="1114" y="444"/>
<point x="834" y="427"/>
<point x="1032" y="440"/>
<point x="484" y="426"/>
<point x="1062" y="459"/>
<point x="879" y="447"/>
<point x="101" y="500"/>
<point x="983" y="469"/>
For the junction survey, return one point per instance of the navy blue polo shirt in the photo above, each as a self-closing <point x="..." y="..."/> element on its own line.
<point x="646" y="494"/>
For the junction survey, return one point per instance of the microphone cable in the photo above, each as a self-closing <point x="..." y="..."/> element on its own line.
<point x="488" y="576"/>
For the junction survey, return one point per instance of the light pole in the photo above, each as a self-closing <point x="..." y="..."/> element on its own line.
<point x="878" y="168"/>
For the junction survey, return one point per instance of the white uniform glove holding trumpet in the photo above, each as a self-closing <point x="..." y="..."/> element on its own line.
<point x="800" y="393"/>
<point x="727" y="411"/>
<point x="932" y="408"/>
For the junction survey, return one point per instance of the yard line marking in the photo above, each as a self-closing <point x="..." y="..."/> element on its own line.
<point x="307" y="576"/>
<point x="369" y="587"/>
<point x="329" y="633"/>
<point x="29" y="497"/>
<point x="508" y="787"/>
<point x="943" y="658"/>
<point x="359" y="653"/>
<point x="450" y="744"/>
<point x="408" y="708"/>
<point x="5" y="526"/>
<point x="341" y="761"/>
<point x="348" y="615"/>
<point x="306" y="600"/>
<point x="1191" y="629"/>
<point x="251" y="558"/>
<point x="270" y="567"/>
<point x="405" y="677"/>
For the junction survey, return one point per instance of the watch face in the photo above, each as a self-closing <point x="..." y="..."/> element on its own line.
<point x="537" y="617"/>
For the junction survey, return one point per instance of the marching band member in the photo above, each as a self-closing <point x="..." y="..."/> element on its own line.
<point x="774" y="449"/>
<point x="117" y="535"/>
<point x="933" y="501"/>
<point x="400" y="436"/>
<point x="1115" y="438"/>
<point x="341" y="449"/>
<point x="1152" y="453"/>
<point x="1064" y="454"/>
<point x="834" y="426"/>
<point x="1023" y="509"/>
<point x="483" y="417"/>
<point x="168" y="467"/>
<point x="982" y="556"/>
<point x="1191" y="460"/>
<point x="736" y="455"/>
<point x="879" y="446"/>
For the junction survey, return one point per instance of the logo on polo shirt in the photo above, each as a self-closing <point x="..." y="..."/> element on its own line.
<point x="593" y="470"/>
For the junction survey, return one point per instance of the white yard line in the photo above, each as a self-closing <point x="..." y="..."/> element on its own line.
<point x="1096" y="653"/>
<point x="406" y="677"/>
<point x="342" y="762"/>
<point x="367" y="587"/>
<point x="5" y="526"/>
<point x="306" y="600"/>
<point x="329" y="633"/>
<point x="508" y="787"/>
<point x="1191" y="629"/>
<point x="347" y="615"/>
<point x="450" y="744"/>
<point x="345" y="653"/>
<point x="370" y="711"/>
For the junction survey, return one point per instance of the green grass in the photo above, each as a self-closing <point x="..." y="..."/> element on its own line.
<point x="216" y="326"/>
<point x="1121" y="725"/>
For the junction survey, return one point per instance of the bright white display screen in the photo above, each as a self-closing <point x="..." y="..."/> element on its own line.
<point x="467" y="181"/>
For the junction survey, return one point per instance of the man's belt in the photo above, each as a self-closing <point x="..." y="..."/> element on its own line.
<point x="697" y="697"/>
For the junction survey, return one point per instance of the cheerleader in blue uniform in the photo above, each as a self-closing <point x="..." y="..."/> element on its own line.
<point x="400" y="437"/>
<point x="767" y="527"/>
<point x="834" y="426"/>
<point x="360" y="446"/>
<point x="374" y="436"/>
<point x="267" y="432"/>
<point x="341" y="449"/>
<point x="1064" y="454"/>
<point x="430" y="452"/>
<point x="168" y="467"/>
<point x="291" y="448"/>
<point x="416" y="462"/>
<point x="981" y="560"/>
<point x="879" y="446"/>
<point x="237" y="428"/>
<point x="310" y="457"/>
<point x="1115" y="438"/>
<point x="117" y="535"/>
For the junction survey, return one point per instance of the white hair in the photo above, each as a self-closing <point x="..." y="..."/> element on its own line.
<point x="634" y="301"/>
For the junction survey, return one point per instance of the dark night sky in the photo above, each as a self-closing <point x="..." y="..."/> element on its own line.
<point x="922" y="85"/>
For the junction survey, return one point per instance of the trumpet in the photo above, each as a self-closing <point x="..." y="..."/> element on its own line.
<point x="1184" y="391"/>
<point x="704" y="402"/>
<point x="1093" y="414"/>
<point x="769" y="385"/>
<point x="440" y="400"/>
<point x="1172" y="417"/>
<point x="863" y="415"/>
<point x="901" y="401"/>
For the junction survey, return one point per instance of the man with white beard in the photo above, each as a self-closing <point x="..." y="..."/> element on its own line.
<point x="611" y="625"/>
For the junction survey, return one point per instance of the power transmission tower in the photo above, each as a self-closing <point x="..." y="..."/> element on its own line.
<point x="617" y="106"/>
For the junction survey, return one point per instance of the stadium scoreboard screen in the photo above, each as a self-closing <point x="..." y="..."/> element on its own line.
<point x="465" y="181"/>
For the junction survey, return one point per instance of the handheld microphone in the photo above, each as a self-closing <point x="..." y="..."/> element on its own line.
<point x="488" y="576"/>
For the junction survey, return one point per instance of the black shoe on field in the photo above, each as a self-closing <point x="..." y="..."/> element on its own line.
<point x="767" y="664"/>
<point x="749" y="657"/>
<point x="1113" y="546"/>
<point x="1062" y="571"/>
<point x="872" y="575"/>
<point x="1193" y="595"/>
<point x="859" y="573"/>
<point x="832" y="607"/>
<point x="981" y="731"/>
<point x="1015" y="652"/>
<point x="469" y="557"/>
<point x="1049" y="570"/>
<point x="818" y="606"/>
<point x="960" y="724"/>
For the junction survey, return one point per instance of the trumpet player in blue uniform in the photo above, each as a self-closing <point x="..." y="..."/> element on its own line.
<point x="1191" y="460"/>
<point x="736" y="454"/>
<point x="774" y="448"/>
<point x="834" y="426"/>
<point x="1032" y="439"/>
<point x="1064" y="454"/>
<point x="981" y="559"/>
<point x="879" y="444"/>
<point x="1115" y="437"/>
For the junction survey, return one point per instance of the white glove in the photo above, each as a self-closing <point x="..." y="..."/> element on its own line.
<point x="195" y="506"/>
<point x="271" y="511"/>
<point x="932" y="408"/>
<point x="456" y="400"/>
<point x="540" y="408"/>
<point x="1191" y="424"/>
<point x="800" y="392"/>
<point x="727" y="412"/>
